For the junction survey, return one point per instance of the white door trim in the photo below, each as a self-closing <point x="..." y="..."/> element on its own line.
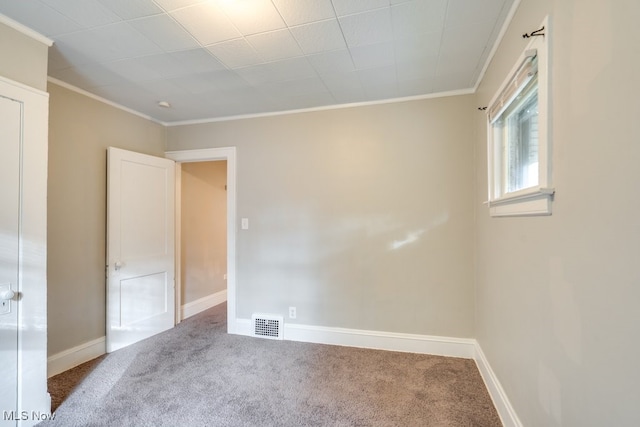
<point x="209" y="154"/>
<point x="32" y="269"/>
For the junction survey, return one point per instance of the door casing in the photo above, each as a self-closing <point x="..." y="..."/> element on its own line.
<point x="203" y="155"/>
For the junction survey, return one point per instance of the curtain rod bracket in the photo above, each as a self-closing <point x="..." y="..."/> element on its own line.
<point x="534" y="33"/>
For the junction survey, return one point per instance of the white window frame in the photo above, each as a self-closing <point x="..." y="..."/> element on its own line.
<point x="534" y="200"/>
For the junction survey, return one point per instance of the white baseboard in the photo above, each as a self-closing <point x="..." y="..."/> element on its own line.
<point x="75" y="356"/>
<point x="202" y="304"/>
<point x="411" y="343"/>
<point x="500" y="400"/>
<point x="425" y="344"/>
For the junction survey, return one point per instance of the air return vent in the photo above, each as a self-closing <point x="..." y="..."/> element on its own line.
<point x="267" y="326"/>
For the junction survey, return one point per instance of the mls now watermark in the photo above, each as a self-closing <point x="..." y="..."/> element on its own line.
<point x="27" y="416"/>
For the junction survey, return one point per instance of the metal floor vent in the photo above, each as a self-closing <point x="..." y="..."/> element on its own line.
<point x="267" y="326"/>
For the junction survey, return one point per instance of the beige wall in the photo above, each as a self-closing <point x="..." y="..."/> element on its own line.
<point x="359" y="217"/>
<point x="558" y="297"/>
<point x="80" y="130"/>
<point x="24" y="59"/>
<point x="203" y="229"/>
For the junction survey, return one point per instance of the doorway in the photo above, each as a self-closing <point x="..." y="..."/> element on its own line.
<point x="227" y="154"/>
<point x="203" y="236"/>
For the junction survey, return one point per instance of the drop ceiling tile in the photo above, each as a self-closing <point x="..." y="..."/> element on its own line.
<point x="127" y="94"/>
<point x="344" y="82"/>
<point x="86" y="13"/>
<point x="170" y="5"/>
<point x="195" y="83"/>
<point x="39" y="17"/>
<point x="292" y="69"/>
<point x="131" y="9"/>
<point x="198" y="60"/>
<point x="257" y="74"/>
<point x="470" y="39"/>
<point x="228" y="80"/>
<point x="350" y="96"/>
<point x="417" y="46"/>
<point x="85" y="46"/>
<point x="347" y="7"/>
<point x="449" y="82"/>
<point x="202" y="85"/>
<point x="120" y="40"/>
<point x="382" y="76"/>
<point x="335" y="62"/>
<point x="87" y="76"/>
<point x="312" y="85"/>
<point x="165" y="32"/>
<point x="206" y="22"/>
<point x="367" y="28"/>
<point x="297" y="12"/>
<point x="162" y="89"/>
<point x="418" y="16"/>
<point x="415" y="87"/>
<point x="235" y="53"/>
<point x="454" y="63"/>
<point x="165" y="64"/>
<point x="463" y="12"/>
<point x="345" y="88"/>
<point x="373" y="55"/>
<point x="103" y="44"/>
<point x="388" y="90"/>
<point x="275" y="45"/>
<point x="253" y="16"/>
<point x="133" y="69"/>
<point x="417" y="69"/>
<point x="305" y="101"/>
<point x="207" y="83"/>
<point x="321" y="36"/>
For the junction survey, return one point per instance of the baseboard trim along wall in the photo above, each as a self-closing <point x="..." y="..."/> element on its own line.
<point x="441" y="346"/>
<point x="466" y="348"/>
<point x="65" y="360"/>
<point x="202" y="304"/>
<point x="507" y="414"/>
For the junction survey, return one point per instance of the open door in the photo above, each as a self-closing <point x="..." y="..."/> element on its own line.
<point x="140" y="247"/>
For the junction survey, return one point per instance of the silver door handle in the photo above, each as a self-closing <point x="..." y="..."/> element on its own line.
<point x="117" y="265"/>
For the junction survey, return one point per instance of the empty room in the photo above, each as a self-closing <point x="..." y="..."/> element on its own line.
<point x="319" y="212"/>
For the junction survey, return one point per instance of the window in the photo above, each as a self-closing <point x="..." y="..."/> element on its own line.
<point x="518" y="151"/>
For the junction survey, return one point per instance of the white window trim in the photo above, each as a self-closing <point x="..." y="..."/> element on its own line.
<point x="534" y="200"/>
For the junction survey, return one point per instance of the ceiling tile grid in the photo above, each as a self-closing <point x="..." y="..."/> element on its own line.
<point x="220" y="58"/>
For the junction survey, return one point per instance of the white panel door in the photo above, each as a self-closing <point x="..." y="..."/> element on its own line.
<point x="10" y="125"/>
<point x="140" y="247"/>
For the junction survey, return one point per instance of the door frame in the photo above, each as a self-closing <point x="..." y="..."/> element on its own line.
<point x="205" y="155"/>
<point x="31" y="289"/>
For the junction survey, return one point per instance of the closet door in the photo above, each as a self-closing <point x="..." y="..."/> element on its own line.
<point x="23" y="254"/>
<point x="10" y="130"/>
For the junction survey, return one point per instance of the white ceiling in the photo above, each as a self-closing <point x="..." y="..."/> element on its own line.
<point x="221" y="58"/>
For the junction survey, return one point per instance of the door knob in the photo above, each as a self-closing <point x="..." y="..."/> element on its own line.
<point x="6" y="294"/>
<point x="117" y="265"/>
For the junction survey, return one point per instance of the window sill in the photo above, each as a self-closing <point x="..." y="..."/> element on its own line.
<point x="529" y="202"/>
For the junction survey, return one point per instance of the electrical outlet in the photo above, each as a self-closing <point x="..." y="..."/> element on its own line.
<point x="292" y="312"/>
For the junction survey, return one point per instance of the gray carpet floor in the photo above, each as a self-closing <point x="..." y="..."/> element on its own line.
<point x="197" y="375"/>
